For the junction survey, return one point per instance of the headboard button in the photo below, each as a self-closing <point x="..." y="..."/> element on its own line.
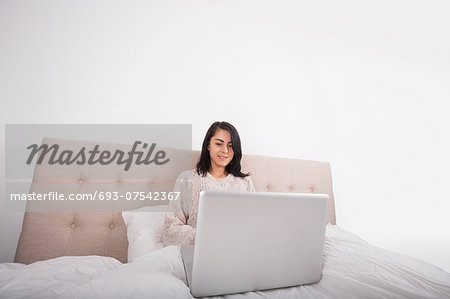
<point x="72" y="225"/>
<point x="290" y="189"/>
<point x="80" y="181"/>
<point x="267" y="188"/>
<point x="112" y="225"/>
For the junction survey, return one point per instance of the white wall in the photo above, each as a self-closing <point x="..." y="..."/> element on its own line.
<point x="363" y="86"/>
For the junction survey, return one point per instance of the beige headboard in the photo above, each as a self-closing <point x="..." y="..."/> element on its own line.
<point x="48" y="235"/>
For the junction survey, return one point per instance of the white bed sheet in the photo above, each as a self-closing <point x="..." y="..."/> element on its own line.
<point x="352" y="269"/>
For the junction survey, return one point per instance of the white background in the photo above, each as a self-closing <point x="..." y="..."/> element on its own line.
<point x="363" y="85"/>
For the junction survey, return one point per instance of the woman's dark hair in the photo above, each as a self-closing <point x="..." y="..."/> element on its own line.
<point x="234" y="167"/>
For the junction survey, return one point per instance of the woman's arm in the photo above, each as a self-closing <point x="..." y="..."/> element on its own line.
<point x="177" y="231"/>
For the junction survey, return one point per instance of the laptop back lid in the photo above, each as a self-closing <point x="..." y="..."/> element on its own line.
<point x="249" y="241"/>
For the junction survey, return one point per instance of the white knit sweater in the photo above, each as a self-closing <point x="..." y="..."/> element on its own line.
<point x="181" y="218"/>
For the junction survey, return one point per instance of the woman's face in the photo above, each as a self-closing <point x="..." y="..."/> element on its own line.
<point x="220" y="149"/>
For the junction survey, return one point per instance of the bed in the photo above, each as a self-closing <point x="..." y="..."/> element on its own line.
<point x="104" y="254"/>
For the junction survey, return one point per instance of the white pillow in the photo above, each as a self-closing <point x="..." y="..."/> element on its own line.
<point x="144" y="230"/>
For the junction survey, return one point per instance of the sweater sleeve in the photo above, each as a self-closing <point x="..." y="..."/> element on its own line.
<point x="177" y="231"/>
<point x="250" y="186"/>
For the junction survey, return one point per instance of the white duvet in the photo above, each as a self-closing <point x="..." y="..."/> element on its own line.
<point x="352" y="269"/>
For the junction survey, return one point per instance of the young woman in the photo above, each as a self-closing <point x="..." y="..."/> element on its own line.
<point x="219" y="168"/>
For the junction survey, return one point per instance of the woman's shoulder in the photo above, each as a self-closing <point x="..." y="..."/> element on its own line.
<point x="246" y="179"/>
<point x="245" y="183"/>
<point x="188" y="175"/>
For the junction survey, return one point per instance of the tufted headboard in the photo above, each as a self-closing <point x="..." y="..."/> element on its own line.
<point x="48" y="235"/>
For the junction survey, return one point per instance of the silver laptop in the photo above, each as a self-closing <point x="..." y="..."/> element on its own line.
<point x="248" y="241"/>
